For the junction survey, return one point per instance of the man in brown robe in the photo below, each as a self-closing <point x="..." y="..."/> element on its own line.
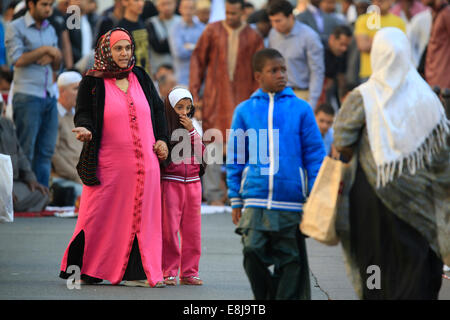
<point x="437" y="60"/>
<point x="222" y="61"/>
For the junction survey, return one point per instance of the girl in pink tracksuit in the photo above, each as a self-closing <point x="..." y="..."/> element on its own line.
<point x="182" y="192"/>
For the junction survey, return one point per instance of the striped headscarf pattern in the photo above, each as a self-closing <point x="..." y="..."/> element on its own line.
<point x="104" y="65"/>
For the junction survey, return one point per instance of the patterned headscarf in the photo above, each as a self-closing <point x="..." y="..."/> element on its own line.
<point x="104" y="65"/>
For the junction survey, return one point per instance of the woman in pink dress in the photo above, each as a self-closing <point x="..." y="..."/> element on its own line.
<point x="121" y="121"/>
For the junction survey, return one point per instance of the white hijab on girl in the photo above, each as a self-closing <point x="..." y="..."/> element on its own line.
<point x="177" y="94"/>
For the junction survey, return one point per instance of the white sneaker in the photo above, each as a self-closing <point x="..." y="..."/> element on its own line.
<point x="446" y="268"/>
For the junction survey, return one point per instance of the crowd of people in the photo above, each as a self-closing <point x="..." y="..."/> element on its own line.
<point x="326" y="45"/>
<point x="73" y="80"/>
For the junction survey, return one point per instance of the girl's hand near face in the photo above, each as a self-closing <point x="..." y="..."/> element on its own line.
<point x="186" y="122"/>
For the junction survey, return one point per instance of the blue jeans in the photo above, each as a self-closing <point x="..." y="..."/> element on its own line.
<point x="36" y="121"/>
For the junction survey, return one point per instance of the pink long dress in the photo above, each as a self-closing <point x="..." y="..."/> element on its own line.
<point x="127" y="203"/>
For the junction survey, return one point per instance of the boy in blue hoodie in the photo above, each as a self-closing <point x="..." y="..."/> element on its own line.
<point x="274" y="153"/>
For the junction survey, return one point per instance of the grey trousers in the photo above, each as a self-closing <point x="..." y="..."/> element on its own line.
<point x="27" y="200"/>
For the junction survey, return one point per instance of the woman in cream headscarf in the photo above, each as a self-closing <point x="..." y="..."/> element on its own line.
<point x="399" y="202"/>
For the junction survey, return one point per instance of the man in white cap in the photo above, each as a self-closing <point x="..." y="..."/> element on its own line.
<point x="68" y="148"/>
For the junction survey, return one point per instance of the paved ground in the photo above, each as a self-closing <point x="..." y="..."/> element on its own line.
<point x="31" y="250"/>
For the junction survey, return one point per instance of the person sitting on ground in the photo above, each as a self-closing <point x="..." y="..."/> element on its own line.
<point x="28" y="194"/>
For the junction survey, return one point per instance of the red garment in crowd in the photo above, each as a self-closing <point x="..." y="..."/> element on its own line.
<point x="437" y="63"/>
<point x="209" y="64"/>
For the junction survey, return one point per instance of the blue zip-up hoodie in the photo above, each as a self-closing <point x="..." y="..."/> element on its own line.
<point x="283" y="152"/>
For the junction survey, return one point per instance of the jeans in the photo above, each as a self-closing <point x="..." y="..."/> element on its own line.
<point x="36" y="121"/>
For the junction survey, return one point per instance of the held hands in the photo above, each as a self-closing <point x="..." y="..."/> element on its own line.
<point x="186" y="122"/>
<point x="236" y="214"/>
<point x="83" y="134"/>
<point x="160" y="147"/>
<point x="161" y="150"/>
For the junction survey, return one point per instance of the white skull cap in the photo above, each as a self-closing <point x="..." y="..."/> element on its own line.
<point x="68" y="77"/>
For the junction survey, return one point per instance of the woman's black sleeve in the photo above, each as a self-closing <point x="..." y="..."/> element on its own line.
<point x="83" y="108"/>
<point x="160" y="115"/>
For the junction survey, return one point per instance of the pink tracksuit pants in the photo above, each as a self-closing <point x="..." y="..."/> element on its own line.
<point x="181" y="206"/>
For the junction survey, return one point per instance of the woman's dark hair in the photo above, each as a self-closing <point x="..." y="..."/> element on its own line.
<point x="260" y="57"/>
<point x="282" y="6"/>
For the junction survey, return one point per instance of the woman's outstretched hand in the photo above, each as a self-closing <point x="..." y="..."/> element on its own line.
<point x="83" y="134"/>
<point x="161" y="150"/>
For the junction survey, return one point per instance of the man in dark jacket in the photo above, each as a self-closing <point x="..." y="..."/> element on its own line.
<point x="81" y="37"/>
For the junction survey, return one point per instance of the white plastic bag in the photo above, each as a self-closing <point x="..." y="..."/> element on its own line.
<point x="6" y="189"/>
